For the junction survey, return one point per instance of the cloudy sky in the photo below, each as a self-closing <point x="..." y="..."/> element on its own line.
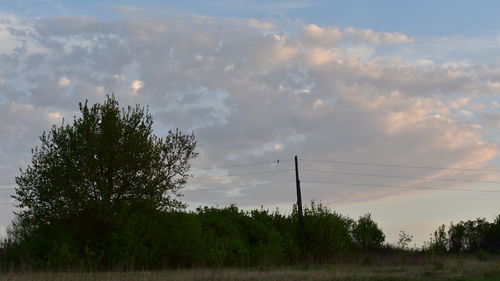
<point x="392" y="106"/>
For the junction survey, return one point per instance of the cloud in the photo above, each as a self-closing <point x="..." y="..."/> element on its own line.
<point x="320" y="56"/>
<point x="253" y="93"/>
<point x="325" y="36"/>
<point x="460" y="102"/>
<point x="378" y="38"/>
<point x="492" y="119"/>
<point x="63" y="81"/>
<point x="136" y="85"/>
<point x="261" y="25"/>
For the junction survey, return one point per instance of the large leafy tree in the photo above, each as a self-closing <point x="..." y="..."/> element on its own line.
<point x="108" y="160"/>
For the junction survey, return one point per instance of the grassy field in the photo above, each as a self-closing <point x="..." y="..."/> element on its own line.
<point x="457" y="269"/>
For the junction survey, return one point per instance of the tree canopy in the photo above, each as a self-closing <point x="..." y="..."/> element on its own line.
<point x="367" y="234"/>
<point x="106" y="161"/>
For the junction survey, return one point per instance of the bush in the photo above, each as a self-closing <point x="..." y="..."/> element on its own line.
<point x="212" y="237"/>
<point x="367" y="234"/>
<point x="327" y="233"/>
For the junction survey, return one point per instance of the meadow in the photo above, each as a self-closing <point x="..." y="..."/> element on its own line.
<point x="450" y="268"/>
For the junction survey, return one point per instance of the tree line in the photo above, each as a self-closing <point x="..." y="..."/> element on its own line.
<point x="466" y="237"/>
<point x="212" y="237"/>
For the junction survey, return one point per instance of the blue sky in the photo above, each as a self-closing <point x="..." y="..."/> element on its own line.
<point x="416" y="18"/>
<point x="402" y="82"/>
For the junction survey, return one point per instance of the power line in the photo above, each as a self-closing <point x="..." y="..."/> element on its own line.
<point x="399" y="177"/>
<point x="242" y="165"/>
<point x="242" y="174"/>
<point x="402" y="187"/>
<point x="399" y="166"/>
<point x="239" y="187"/>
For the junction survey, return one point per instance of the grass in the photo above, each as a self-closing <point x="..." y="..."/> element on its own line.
<point x="449" y="269"/>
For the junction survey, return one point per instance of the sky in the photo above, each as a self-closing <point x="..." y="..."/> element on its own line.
<point x="392" y="107"/>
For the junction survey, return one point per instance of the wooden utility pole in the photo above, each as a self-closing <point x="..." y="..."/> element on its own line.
<point x="302" y="233"/>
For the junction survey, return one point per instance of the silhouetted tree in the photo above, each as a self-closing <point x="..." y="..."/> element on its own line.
<point x="492" y="236"/>
<point x="88" y="177"/>
<point x="107" y="159"/>
<point x="367" y="234"/>
<point x="327" y="232"/>
<point x="456" y="237"/>
<point x="439" y="242"/>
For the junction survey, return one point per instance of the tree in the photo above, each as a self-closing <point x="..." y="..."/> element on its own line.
<point x="88" y="176"/>
<point x="457" y="237"/>
<point x="367" y="234"/>
<point x="404" y="240"/>
<point x="439" y="242"/>
<point x="106" y="160"/>
<point x="492" y="236"/>
<point x="327" y="232"/>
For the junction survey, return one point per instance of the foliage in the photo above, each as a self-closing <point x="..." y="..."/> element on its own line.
<point x="209" y="236"/>
<point x="491" y="240"/>
<point x="404" y="240"/>
<point x="439" y="242"/>
<point x="93" y="185"/>
<point x="107" y="160"/>
<point x="467" y="236"/>
<point x="367" y="234"/>
<point x="327" y="232"/>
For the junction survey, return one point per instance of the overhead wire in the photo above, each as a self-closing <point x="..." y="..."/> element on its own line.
<point x="400" y="187"/>
<point x="398" y="165"/>
<point x="331" y="172"/>
<point x="391" y="176"/>
<point x="243" y="174"/>
<point x="238" y="187"/>
<point x="242" y="165"/>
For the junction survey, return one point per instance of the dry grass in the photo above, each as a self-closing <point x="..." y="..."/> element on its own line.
<point x="449" y="269"/>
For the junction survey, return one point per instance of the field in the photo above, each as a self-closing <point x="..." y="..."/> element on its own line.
<point x="451" y="269"/>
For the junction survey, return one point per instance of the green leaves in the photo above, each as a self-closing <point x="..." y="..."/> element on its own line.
<point x="108" y="160"/>
<point x="367" y="234"/>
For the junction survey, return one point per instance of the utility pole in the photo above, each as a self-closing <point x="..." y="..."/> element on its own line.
<point x="302" y="233"/>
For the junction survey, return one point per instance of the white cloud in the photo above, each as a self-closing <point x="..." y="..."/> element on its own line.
<point x="136" y="85"/>
<point x="261" y="25"/>
<point x="320" y="56"/>
<point x="325" y="36"/>
<point x="54" y="116"/>
<point x="493" y="86"/>
<point x="331" y="36"/>
<point x="118" y="77"/>
<point x="466" y="113"/>
<point x="377" y="38"/>
<point x="63" y="81"/>
<point x="318" y="103"/>
<point x="460" y="102"/>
